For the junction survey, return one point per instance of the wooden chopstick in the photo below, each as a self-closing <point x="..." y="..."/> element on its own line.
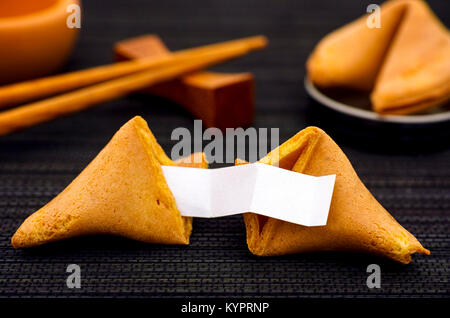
<point x="15" y="94"/>
<point x="45" y="110"/>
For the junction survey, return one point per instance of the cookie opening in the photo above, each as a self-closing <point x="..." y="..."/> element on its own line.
<point x="293" y="155"/>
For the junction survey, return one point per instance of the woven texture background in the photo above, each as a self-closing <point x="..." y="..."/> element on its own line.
<point x="408" y="170"/>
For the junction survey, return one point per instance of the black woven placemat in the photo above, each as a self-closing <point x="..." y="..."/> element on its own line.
<point x="408" y="170"/>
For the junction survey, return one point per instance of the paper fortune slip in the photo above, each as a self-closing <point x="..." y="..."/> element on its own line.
<point x="258" y="188"/>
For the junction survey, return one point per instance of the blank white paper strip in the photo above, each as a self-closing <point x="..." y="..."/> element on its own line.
<point x="257" y="188"/>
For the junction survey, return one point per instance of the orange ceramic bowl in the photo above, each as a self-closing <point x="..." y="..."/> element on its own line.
<point x="34" y="38"/>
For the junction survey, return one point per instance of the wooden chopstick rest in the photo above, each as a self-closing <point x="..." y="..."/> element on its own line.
<point x="220" y="100"/>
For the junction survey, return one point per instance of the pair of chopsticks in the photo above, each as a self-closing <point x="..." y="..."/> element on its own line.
<point x="108" y="82"/>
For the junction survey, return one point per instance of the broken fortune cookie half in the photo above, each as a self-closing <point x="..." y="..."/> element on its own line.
<point x="356" y="221"/>
<point x="121" y="192"/>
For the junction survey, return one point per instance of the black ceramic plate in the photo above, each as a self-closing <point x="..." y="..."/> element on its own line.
<point x="358" y="105"/>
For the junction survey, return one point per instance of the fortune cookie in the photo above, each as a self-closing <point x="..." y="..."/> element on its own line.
<point x="356" y="221"/>
<point x="352" y="55"/>
<point x="121" y="192"/>
<point x="416" y="71"/>
<point x="404" y="64"/>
